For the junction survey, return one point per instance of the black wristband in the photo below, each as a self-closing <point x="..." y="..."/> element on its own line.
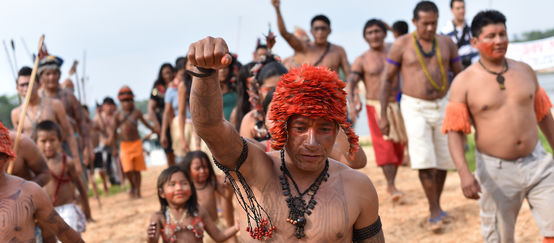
<point x="206" y="72"/>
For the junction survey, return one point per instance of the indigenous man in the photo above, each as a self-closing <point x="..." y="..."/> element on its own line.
<point x="460" y="33"/>
<point x="48" y="74"/>
<point x="399" y="28"/>
<point x="104" y="151"/>
<point x="30" y="164"/>
<point x="424" y="60"/>
<point x="503" y="100"/>
<point x="389" y="151"/>
<point x="24" y="203"/>
<point x="297" y="190"/>
<point x="42" y="109"/>
<point x="319" y="53"/>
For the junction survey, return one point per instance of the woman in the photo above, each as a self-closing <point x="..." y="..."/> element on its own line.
<point x="156" y="103"/>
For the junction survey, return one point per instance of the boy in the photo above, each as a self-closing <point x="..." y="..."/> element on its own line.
<point x="132" y="158"/>
<point x="60" y="188"/>
<point x="24" y="203"/>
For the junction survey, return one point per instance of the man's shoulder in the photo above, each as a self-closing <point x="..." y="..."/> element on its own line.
<point x="349" y="175"/>
<point x="26" y="187"/>
<point x="336" y="47"/>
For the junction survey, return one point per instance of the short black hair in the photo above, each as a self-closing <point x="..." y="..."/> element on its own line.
<point x="425" y="6"/>
<point x="49" y="126"/>
<point x="23" y="72"/>
<point x="108" y="100"/>
<point x="373" y="22"/>
<point x="261" y="46"/>
<point x="180" y="63"/>
<point x="400" y="27"/>
<point x="322" y="18"/>
<point x="485" y="18"/>
<point x="452" y="2"/>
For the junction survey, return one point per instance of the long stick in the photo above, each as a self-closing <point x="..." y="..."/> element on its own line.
<point x="9" y="59"/>
<point x="14" y="58"/>
<point x="84" y="77"/>
<point x="25" y="105"/>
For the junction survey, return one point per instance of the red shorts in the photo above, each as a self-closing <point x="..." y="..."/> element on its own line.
<point x="386" y="151"/>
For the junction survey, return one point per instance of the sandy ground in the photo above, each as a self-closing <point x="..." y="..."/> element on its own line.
<point x="124" y="220"/>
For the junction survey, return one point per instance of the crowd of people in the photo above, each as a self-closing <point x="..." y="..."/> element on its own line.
<point x="280" y="132"/>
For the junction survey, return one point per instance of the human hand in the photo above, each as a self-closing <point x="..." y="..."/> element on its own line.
<point x="163" y="140"/>
<point x="470" y="186"/>
<point x="152" y="229"/>
<point x="185" y="146"/>
<point x="384" y="126"/>
<point x="209" y="52"/>
<point x="276" y="3"/>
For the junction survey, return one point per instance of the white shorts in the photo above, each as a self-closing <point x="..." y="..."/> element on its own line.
<point x="73" y="216"/>
<point x="428" y="147"/>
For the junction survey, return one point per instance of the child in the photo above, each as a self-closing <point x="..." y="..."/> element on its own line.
<point x="181" y="218"/>
<point x="201" y="171"/>
<point x="131" y="153"/>
<point x="24" y="203"/>
<point x="64" y="177"/>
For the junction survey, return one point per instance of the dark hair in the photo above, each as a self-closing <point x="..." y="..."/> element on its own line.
<point x="108" y="100"/>
<point x="322" y="18"/>
<point x="243" y="105"/>
<point x="234" y="67"/>
<point x="267" y="100"/>
<point x="452" y="2"/>
<point x="180" y="63"/>
<point x="24" y="71"/>
<point x="48" y="126"/>
<point x="425" y="6"/>
<point x="270" y="69"/>
<point x="160" y="79"/>
<point x="260" y="46"/>
<point x="197" y="154"/>
<point x="85" y="107"/>
<point x="400" y="27"/>
<point x="485" y="18"/>
<point x="191" y="205"/>
<point x="373" y="22"/>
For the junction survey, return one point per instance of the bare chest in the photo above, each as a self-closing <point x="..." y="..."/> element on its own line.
<point x="330" y="59"/>
<point x="16" y="217"/>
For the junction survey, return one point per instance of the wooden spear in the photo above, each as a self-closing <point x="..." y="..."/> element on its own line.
<point x="25" y="105"/>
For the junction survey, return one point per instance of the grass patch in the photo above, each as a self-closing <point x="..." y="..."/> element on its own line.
<point x="112" y="190"/>
<point x="365" y="144"/>
<point x="470" y="152"/>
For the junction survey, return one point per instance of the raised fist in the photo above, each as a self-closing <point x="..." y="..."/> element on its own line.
<point x="210" y="53"/>
<point x="276" y="3"/>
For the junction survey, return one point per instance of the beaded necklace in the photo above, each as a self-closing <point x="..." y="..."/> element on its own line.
<point x="297" y="206"/>
<point x="419" y="51"/>
<point x="499" y="78"/>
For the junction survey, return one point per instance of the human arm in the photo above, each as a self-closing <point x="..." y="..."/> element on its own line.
<point x="368" y="202"/>
<point x="344" y="64"/>
<point x="206" y="106"/>
<point x="153" y="231"/>
<point x="213" y="231"/>
<point x="34" y="160"/>
<point x="456" y="142"/>
<point x="151" y="113"/>
<point x="75" y="178"/>
<point x="182" y="101"/>
<point x="392" y="67"/>
<point x="15" y="117"/>
<point x="166" y="118"/>
<point x="50" y="221"/>
<point x="146" y="123"/>
<point x="63" y="121"/>
<point x="340" y="153"/>
<point x="455" y="60"/>
<point x="296" y="44"/>
<point x="353" y="78"/>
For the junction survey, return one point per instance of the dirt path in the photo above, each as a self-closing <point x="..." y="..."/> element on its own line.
<point x="124" y="220"/>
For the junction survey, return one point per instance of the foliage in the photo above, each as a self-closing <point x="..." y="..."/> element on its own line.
<point x="7" y="103"/>
<point x="533" y="35"/>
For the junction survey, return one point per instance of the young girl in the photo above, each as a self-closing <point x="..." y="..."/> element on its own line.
<point x="181" y="219"/>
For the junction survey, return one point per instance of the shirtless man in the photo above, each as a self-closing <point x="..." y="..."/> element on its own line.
<point x="104" y="121"/>
<point x="320" y="52"/>
<point x="460" y="33"/>
<point x="30" y="164"/>
<point x="48" y="74"/>
<point x="424" y="60"/>
<point x="311" y="127"/>
<point x="42" y="109"/>
<point x="23" y="203"/>
<point x="389" y="151"/>
<point x="503" y="100"/>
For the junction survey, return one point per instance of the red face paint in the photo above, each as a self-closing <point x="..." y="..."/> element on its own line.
<point x="486" y="48"/>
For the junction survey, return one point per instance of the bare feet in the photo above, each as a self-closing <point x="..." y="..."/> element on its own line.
<point x="395" y="196"/>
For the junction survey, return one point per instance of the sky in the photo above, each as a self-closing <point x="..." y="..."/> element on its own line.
<point x="127" y="41"/>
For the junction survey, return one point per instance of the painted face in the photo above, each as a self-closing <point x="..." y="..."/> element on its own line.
<point x="459" y="10"/>
<point x="23" y="85"/>
<point x="374" y="36"/>
<point x="492" y="42"/>
<point x="310" y="141"/>
<point x="177" y="190"/>
<point x="50" y="78"/>
<point x="167" y="74"/>
<point x="48" y="143"/>
<point x="199" y="170"/>
<point x="320" y="31"/>
<point x="426" y="25"/>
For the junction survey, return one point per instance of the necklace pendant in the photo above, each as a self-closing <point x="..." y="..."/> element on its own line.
<point x="500" y="79"/>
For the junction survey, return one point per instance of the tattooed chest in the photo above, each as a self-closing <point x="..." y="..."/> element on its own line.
<point x="16" y="215"/>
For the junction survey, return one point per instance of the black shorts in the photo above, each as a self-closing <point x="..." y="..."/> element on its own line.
<point x="102" y="159"/>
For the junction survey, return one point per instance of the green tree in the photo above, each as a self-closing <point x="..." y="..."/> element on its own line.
<point x="7" y="104"/>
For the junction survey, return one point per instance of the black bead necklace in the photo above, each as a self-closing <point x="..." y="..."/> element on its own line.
<point x="297" y="206"/>
<point x="499" y="78"/>
<point x="430" y="53"/>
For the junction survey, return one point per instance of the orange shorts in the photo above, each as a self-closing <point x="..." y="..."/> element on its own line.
<point x="131" y="155"/>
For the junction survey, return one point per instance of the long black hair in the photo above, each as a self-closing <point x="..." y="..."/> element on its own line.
<point x="197" y="154"/>
<point x="243" y="105"/>
<point x="192" y="204"/>
<point x="160" y="80"/>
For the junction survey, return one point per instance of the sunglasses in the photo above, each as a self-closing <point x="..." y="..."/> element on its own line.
<point x="320" y="28"/>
